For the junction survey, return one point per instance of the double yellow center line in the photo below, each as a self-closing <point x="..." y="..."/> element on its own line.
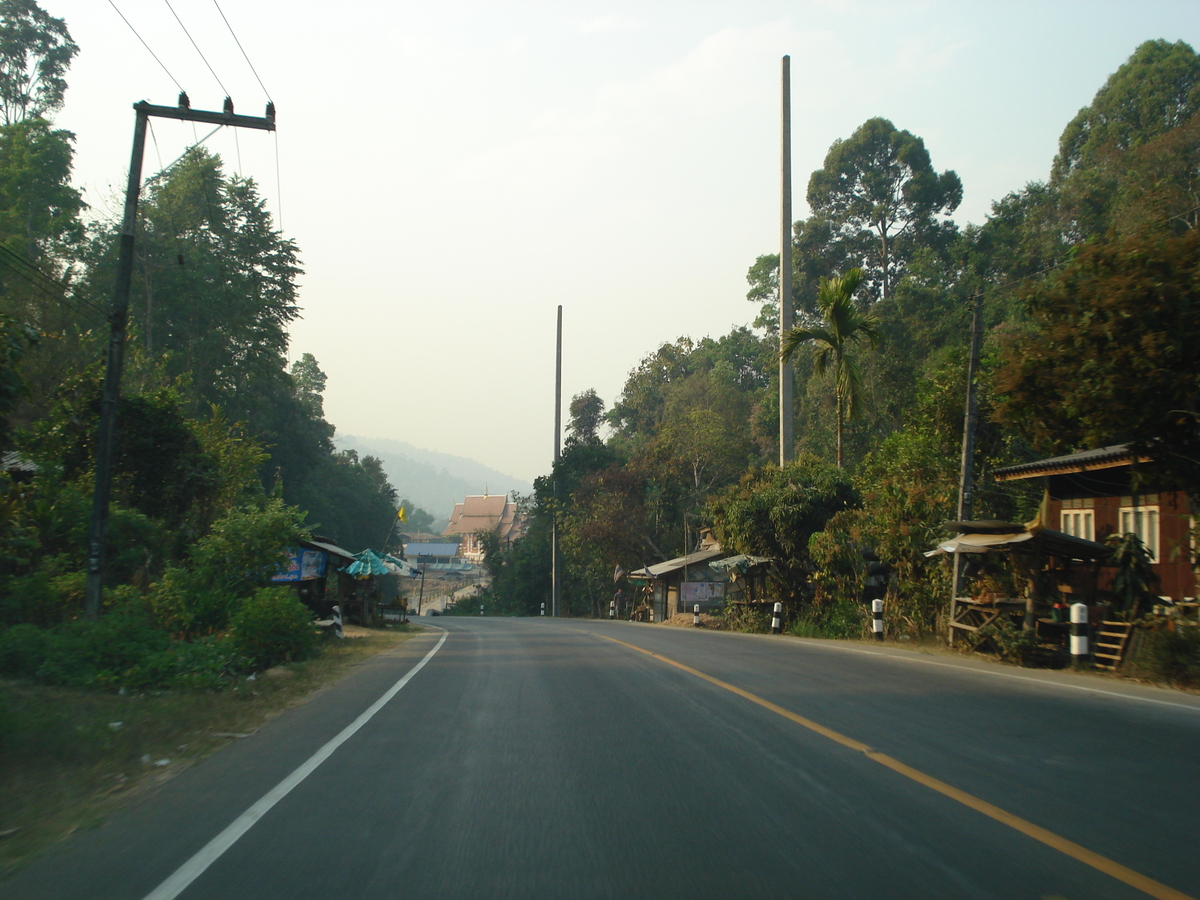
<point x="1069" y="848"/>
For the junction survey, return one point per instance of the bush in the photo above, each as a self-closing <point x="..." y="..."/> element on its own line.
<point x="23" y="649"/>
<point x="754" y="618"/>
<point x="1172" y="653"/>
<point x="272" y="627"/>
<point x="100" y="652"/>
<point x="842" y="620"/>
<point x="204" y="664"/>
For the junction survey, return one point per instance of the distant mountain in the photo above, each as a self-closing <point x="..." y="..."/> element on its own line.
<point x="431" y="480"/>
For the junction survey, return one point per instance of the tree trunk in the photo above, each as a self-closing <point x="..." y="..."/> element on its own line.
<point x="839" y="429"/>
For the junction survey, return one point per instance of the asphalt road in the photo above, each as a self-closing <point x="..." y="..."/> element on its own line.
<point x="535" y="758"/>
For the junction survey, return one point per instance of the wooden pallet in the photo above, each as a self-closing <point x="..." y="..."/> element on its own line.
<point x="1112" y="643"/>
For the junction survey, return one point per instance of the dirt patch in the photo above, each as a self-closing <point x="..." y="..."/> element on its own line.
<point x="686" y="620"/>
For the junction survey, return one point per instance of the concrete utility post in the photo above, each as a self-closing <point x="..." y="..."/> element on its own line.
<point x="119" y="317"/>
<point x="555" y="574"/>
<point x="787" y="422"/>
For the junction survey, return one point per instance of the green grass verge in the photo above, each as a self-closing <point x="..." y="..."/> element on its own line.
<point x="66" y="763"/>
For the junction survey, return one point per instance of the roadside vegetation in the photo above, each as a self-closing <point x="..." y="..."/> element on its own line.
<point x="223" y="460"/>
<point x="1091" y="316"/>
<point x="69" y="756"/>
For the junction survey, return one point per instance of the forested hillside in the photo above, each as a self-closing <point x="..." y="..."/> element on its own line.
<point x="431" y="480"/>
<point x="1089" y="289"/>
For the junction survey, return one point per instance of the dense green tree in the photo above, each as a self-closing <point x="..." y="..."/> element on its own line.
<point x="587" y="414"/>
<point x="35" y="51"/>
<point x="843" y="326"/>
<point x="39" y="210"/>
<point x="1156" y="90"/>
<point x="415" y="519"/>
<point x="309" y="384"/>
<point x="216" y="283"/>
<point x="774" y="512"/>
<point x="15" y="340"/>
<point x="1115" y="356"/>
<point x="881" y="194"/>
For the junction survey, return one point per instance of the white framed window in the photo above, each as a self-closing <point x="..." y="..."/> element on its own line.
<point x="1142" y="521"/>
<point x="1080" y="523"/>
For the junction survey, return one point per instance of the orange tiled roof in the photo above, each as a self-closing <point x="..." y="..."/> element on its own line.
<point x="484" y="513"/>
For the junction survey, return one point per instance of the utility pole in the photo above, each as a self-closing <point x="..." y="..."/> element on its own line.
<point x="787" y="423"/>
<point x="966" y="480"/>
<point x="119" y="317"/>
<point x="555" y="571"/>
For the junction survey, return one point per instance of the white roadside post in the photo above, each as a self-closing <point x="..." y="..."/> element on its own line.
<point x="877" y="619"/>
<point x="337" y="621"/>
<point x="1079" y="635"/>
<point x="777" y="621"/>
<point x="543" y="609"/>
<point x="696" y="616"/>
<point x="481" y="609"/>
<point x="612" y="609"/>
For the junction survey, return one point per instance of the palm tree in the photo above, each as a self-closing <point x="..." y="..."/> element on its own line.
<point x="843" y="326"/>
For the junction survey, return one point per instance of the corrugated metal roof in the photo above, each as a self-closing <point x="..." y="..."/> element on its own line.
<point x="414" y="550"/>
<point x="673" y="565"/>
<point x="1083" y="461"/>
<point x="332" y="549"/>
<point x="1056" y="543"/>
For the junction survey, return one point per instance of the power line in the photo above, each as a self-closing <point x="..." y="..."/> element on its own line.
<point x="45" y="283"/>
<point x="144" y="44"/>
<point x="240" y="47"/>
<point x="1059" y="265"/>
<point x="278" y="182"/>
<point x="194" y="44"/>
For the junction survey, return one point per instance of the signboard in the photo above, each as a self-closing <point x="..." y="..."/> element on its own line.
<point x="302" y="565"/>
<point x="704" y="592"/>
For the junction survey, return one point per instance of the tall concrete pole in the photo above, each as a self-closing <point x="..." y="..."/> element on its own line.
<point x="555" y="569"/>
<point x="787" y="423"/>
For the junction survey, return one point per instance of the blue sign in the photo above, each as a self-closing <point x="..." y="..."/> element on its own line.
<point x="302" y="565"/>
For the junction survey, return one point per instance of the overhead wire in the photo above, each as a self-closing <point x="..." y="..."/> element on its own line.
<point x="147" y="46"/>
<point x="275" y="134"/>
<point x="45" y="283"/>
<point x="197" y="46"/>
<point x="243" y="49"/>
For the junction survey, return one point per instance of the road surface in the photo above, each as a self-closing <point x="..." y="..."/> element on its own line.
<point x="517" y="758"/>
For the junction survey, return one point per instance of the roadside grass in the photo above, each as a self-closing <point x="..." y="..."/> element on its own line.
<point x="69" y="757"/>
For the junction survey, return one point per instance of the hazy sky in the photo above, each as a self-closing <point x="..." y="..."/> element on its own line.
<point x="454" y="171"/>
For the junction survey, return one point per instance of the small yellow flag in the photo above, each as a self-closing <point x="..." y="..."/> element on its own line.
<point x="402" y="515"/>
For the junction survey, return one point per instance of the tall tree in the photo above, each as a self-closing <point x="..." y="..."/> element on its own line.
<point x="843" y="325"/>
<point x="1155" y="90"/>
<point x="879" y="191"/>
<point x="39" y="210"/>
<point x="1115" y="355"/>
<point x="587" y="413"/>
<point x="1130" y="155"/>
<point x="35" y="51"/>
<point x="216" y="281"/>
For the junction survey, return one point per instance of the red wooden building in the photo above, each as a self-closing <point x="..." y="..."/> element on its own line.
<point x="1091" y="495"/>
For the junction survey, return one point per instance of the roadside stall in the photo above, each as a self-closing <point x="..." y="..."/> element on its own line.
<point x="307" y="568"/>
<point x="677" y="585"/>
<point x="1020" y="576"/>
<point x="372" y="580"/>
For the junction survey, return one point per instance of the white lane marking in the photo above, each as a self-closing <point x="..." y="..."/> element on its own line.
<point x="211" y="852"/>
<point x="1027" y="679"/>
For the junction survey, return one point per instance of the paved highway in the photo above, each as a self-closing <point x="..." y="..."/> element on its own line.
<point x="524" y="758"/>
